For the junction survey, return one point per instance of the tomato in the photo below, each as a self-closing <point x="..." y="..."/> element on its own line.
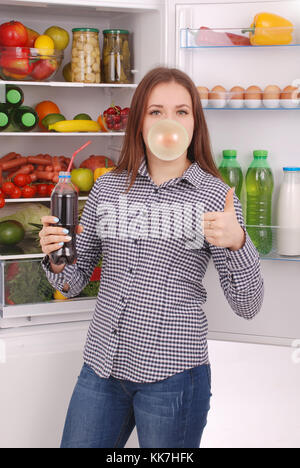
<point x="50" y="189"/>
<point x="2" y="202"/>
<point x="16" y="61"/>
<point x="21" y="179"/>
<point x="1" y="193"/>
<point x="28" y="191"/>
<point x="42" y="190"/>
<point x="15" y="193"/>
<point x="13" y="34"/>
<point x="8" y="187"/>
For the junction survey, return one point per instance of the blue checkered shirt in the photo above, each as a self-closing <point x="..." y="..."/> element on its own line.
<point x="148" y="322"/>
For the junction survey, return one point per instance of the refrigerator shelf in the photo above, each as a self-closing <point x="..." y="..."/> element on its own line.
<point x="65" y="84"/>
<point x="203" y="38"/>
<point x="58" y="134"/>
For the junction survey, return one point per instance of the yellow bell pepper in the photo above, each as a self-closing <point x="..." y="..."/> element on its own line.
<point x="58" y="295"/>
<point x="102" y="170"/>
<point x="270" y="29"/>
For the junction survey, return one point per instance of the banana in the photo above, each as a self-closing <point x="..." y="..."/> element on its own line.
<point x="75" y="126"/>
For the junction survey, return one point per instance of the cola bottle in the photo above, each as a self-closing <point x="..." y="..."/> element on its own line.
<point x="64" y="205"/>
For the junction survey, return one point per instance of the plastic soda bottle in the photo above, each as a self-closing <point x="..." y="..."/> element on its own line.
<point x="64" y="205"/>
<point x="259" y="187"/>
<point x="231" y="171"/>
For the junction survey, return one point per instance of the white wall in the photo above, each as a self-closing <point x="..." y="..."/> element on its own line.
<point x="255" y="388"/>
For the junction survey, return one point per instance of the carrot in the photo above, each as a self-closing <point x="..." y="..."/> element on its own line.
<point x="13" y="163"/>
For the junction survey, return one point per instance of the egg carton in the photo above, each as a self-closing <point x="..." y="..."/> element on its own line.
<point x="253" y="97"/>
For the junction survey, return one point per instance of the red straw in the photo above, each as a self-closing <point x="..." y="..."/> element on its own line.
<point x="77" y="151"/>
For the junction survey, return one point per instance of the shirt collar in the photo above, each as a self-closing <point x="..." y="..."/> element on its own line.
<point x="193" y="174"/>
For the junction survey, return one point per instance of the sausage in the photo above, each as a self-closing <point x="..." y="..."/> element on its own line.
<point x="8" y="157"/>
<point x="44" y="175"/>
<point x="6" y="165"/>
<point x="38" y="160"/>
<point x="27" y="169"/>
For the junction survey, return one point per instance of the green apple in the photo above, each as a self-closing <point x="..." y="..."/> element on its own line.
<point x="83" y="178"/>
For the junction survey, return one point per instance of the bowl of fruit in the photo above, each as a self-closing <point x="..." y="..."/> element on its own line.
<point x="114" y="119"/>
<point x="26" y="55"/>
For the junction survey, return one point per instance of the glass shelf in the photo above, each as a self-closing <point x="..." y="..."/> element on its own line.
<point x="203" y="38"/>
<point x="275" y="242"/>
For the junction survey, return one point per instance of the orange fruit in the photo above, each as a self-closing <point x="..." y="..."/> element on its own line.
<point x="44" y="108"/>
<point x="101" y="122"/>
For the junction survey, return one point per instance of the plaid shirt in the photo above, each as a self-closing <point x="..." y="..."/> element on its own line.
<point x="148" y="322"/>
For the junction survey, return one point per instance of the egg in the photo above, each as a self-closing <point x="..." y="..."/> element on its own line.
<point x="218" y="92"/>
<point x="237" y="92"/>
<point x="289" y="97"/>
<point x="289" y="92"/>
<point x="272" y="92"/>
<point x="253" y="92"/>
<point x="203" y="92"/>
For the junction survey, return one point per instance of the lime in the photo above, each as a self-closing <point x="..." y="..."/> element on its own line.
<point x="67" y="72"/>
<point x="59" y="36"/>
<point x="82" y="117"/>
<point x="52" y="119"/>
<point x="11" y="232"/>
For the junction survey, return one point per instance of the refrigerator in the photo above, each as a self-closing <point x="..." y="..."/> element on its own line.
<point x="41" y="343"/>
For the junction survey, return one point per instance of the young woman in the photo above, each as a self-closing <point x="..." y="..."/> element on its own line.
<point x="145" y="361"/>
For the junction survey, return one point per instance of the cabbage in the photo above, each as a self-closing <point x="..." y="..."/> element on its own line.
<point x="25" y="213"/>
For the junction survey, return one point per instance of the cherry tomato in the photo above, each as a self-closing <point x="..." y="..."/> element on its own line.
<point x="20" y="180"/>
<point x="50" y="189"/>
<point x="111" y="111"/>
<point x="118" y="109"/>
<point x="8" y="187"/>
<point x="117" y="127"/>
<point x="1" y="193"/>
<point x="42" y="190"/>
<point x="28" y="191"/>
<point x="16" y="193"/>
<point x="125" y="111"/>
<point x="2" y="202"/>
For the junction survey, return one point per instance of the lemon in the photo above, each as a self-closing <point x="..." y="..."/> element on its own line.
<point x="45" y="45"/>
<point x="59" y="36"/>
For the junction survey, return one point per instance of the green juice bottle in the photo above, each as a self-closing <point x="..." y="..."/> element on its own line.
<point x="4" y="117"/>
<point x="231" y="171"/>
<point x="259" y="186"/>
<point x="24" y="119"/>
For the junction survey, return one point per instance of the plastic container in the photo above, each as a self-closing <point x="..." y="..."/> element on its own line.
<point x="64" y="205"/>
<point x="259" y="187"/>
<point x="116" y="56"/>
<point x="85" y="63"/>
<point x="288" y="213"/>
<point x="27" y="64"/>
<point x="231" y="171"/>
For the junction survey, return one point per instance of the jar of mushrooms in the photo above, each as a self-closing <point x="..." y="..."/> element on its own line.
<point x="86" y="55"/>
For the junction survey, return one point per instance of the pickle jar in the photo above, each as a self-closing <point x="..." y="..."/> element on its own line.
<point x="85" y="64"/>
<point x="116" y="56"/>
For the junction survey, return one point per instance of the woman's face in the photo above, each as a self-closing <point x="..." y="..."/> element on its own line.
<point x="169" y="101"/>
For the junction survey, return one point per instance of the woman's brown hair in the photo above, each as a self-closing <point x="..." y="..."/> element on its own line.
<point x="133" y="146"/>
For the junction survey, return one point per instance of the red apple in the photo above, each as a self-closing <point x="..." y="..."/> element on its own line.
<point x="13" y="34"/>
<point x="43" y="69"/>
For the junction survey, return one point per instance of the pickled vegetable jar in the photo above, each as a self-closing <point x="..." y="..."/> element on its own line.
<point x="86" y="55"/>
<point x="116" y="56"/>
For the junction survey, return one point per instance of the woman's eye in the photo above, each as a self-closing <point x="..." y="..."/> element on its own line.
<point x="182" y="112"/>
<point x="154" y="112"/>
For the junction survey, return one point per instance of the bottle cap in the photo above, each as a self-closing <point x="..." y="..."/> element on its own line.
<point x="3" y="119"/>
<point x="13" y="96"/>
<point x="291" y="169"/>
<point x="115" y="31"/>
<point x="64" y="174"/>
<point x="28" y="119"/>
<point x="260" y="153"/>
<point x="85" y="30"/>
<point x="229" y="153"/>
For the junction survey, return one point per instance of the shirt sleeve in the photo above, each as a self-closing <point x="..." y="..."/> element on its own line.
<point x="88" y="247"/>
<point x="240" y="273"/>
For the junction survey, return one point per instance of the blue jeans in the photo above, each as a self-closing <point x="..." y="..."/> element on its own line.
<point x="170" y="413"/>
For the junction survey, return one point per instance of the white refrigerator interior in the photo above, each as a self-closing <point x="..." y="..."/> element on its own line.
<point x="255" y="364"/>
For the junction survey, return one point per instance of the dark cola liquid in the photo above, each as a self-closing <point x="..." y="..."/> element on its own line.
<point x="65" y="207"/>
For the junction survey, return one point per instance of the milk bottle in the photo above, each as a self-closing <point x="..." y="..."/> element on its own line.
<point x="288" y="213"/>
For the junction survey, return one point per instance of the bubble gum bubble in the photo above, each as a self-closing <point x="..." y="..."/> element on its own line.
<point x="168" y="139"/>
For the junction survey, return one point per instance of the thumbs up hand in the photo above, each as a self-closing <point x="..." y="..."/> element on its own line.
<point x="221" y="228"/>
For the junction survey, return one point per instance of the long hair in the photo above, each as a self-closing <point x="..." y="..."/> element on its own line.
<point x="134" y="147"/>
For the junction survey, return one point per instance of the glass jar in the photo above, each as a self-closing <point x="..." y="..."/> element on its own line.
<point x="116" y="56"/>
<point x="85" y="64"/>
